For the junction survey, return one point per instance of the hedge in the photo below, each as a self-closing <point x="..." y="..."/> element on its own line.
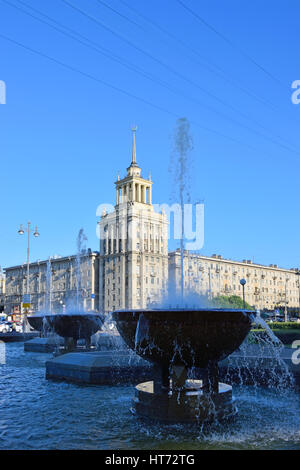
<point x="286" y="336"/>
<point x="277" y="325"/>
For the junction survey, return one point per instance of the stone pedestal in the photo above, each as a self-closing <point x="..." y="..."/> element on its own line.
<point x="99" y="341"/>
<point x="18" y="337"/>
<point x="101" y="367"/>
<point x="191" y="404"/>
<point x="43" y="345"/>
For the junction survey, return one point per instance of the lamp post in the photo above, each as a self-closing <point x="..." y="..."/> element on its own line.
<point x="36" y="234"/>
<point x="243" y="282"/>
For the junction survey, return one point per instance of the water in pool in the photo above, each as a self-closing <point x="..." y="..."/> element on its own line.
<point x="40" y="414"/>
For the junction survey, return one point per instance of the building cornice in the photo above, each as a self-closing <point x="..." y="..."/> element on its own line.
<point x="230" y="261"/>
<point x="53" y="260"/>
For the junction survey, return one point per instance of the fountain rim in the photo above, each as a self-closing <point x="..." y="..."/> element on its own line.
<point x="183" y="309"/>
<point x="175" y="314"/>
<point x="66" y="314"/>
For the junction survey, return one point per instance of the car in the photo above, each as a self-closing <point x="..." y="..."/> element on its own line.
<point x="4" y="327"/>
<point x="19" y="328"/>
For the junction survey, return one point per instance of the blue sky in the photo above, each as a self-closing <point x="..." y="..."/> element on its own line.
<point x="65" y="129"/>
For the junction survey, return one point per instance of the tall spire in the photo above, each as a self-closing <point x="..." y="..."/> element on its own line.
<point x="133" y="159"/>
<point x="133" y="169"/>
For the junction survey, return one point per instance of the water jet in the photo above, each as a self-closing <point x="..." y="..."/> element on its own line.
<point x="183" y="343"/>
<point x="71" y="326"/>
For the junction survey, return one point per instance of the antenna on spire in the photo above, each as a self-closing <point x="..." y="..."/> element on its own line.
<point x="133" y="159"/>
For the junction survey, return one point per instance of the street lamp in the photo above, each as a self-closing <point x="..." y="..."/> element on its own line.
<point x="36" y="234"/>
<point x="243" y="282"/>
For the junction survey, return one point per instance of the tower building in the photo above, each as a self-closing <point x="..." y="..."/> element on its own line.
<point x="133" y="245"/>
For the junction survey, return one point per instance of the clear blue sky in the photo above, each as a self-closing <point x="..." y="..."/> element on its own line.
<point x="65" y="135"/>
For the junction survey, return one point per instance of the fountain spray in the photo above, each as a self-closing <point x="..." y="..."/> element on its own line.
<point x="81" y="249"/>
<point x="183" y="145"/>
<point x="48" y="286"/>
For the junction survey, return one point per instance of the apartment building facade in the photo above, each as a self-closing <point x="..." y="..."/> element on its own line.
<point x="53" y="283"/>
<point x="267" y="287"/>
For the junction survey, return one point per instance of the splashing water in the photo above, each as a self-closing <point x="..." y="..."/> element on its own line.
<point x="48" y="286"/>
<point x="81" y="250"/>
<point x="261" y="360"/>
<point x="190" y="300"/>
<point x="182" y="148"/>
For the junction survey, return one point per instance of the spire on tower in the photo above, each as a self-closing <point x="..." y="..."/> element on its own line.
<point x="133" y="169"/>
<point x="133" y="159"/>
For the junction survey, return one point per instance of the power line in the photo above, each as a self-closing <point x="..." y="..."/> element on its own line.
<point x="119" y="14"/>
<point x="151" y="56"/>
<point x="126" y="64"/>
<point x="175" y="72"/>
<point x="89" y="43"/>
<point x="228" y="41"/>
<point x="106" y="53"/>
<point x="276" y="143"/>
<point x="212" y="67"/>
<point x="122" y="91"/>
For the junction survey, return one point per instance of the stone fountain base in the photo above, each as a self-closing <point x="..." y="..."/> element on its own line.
<point x="108" y="367"/>
<point x="100" y="341"/>
<point x="18" y="337"/>
<point x="43" y="345"/>
<point x="188" y="405"/>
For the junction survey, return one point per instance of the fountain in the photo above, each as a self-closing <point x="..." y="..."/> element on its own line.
<point x="71" y="326"/>
<point x="182" y="343"/>
<point x="75" y="324"/>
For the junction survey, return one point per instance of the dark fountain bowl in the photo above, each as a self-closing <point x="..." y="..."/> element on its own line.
<point x="176" y="341"/>
<point x="77" y="325"/>
<point x="37" y="321"/>
<point x="189" y="337"/>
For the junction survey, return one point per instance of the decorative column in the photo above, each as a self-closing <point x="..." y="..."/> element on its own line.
<point x="138" y="193"/>
<point x="106" y="242"/>
<point x="143" y="194"/>
<point x="150" y="195"/>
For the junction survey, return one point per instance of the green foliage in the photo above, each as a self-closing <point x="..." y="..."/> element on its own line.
<point x="277" y="325"/>
<point x="233" y="301"/>
<point x="284" y="325"/>
<point x="287" y="332"/>
<point x="287" y="336"/>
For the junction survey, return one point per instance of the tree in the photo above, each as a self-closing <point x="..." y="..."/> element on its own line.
<point x="233" y="301"/>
